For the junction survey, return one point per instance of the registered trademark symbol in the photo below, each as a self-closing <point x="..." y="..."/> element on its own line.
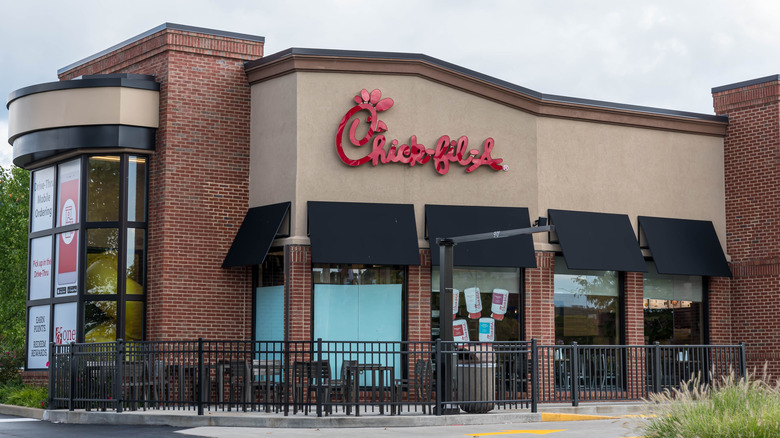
<point x="506" y="168"/>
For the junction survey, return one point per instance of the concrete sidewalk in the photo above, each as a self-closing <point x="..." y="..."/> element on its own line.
<point x="182" y="418"/>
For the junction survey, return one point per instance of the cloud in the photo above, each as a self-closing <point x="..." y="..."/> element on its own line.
<point x="6" y="151"/>
<point x="666" y="53"/>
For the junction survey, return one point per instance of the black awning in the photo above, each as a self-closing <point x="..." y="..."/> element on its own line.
<point x="458" y="220"/>
<point x="684" y="247"/>
<point x="363" y="233"/>
<point x="257" y="232"/>
<point x="597" y="241"/>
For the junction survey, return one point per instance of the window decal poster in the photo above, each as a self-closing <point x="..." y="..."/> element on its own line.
<point x="68" y="214"/>
<point x="38" y="337"/>
<point x="43" y="199"/>
<point x="65" y="323"/>
<point x="40" y="268"/>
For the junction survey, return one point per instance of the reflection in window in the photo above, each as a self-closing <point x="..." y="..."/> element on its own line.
<point x="673" y="308"/>
<point x="586" y="305"/>
<point x="136" y="189"/>
<point x="102" y="252"/>
<point x="487" y="280"/>
<point x="135" y="261"/>
<point x="100" y="321"/>
<point x="134" y="320"/>
<point x="103" y="190"/>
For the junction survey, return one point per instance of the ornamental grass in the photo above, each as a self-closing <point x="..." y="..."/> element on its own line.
<point x="731" y="407"/>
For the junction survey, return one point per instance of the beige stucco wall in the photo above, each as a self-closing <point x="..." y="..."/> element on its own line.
<point x="84" y="106"/>
<point x="553" y="163"/>
<point x="273" y="156"/>
<point x="638" y="172"/>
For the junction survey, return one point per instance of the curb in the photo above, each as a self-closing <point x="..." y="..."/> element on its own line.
<point x="83" y="417"/>
<point x="22" y="411"/>
<point x="552" y="416"/>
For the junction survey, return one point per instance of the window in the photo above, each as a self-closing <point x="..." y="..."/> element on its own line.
<point x="269" y="300"/>
<point x="673" y="308"/>
<point x="586" y="305"/>
<point x="508" y="326"/>
<point x="358" y="302"/>
<point x="87" y="258"/>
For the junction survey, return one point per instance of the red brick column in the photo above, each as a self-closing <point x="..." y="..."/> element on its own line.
<point x="752" y="178"/>
<point x="634" y="326"/>
<point x="540" y="300"/>
<point x="540" y="317"/>
<point x="198" y="173"/>
<point x="634" y="310"/>
<point x="299" y="293"/>
<point x="419" y="299"/>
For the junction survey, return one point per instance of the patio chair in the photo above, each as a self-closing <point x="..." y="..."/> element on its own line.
<point x="419" y="388"/>
<point x="307" y="377"/>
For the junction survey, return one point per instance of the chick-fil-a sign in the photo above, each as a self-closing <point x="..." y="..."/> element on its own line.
<point x="446" y="151"/>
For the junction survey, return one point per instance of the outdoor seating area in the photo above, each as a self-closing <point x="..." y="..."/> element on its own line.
<point x="355" y="378"/>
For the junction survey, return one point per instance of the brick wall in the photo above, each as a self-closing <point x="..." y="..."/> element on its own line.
<point x="198" y="184"/>
<point x="299" y="293"/>
<point x="633" y="309"/>
<point x="419" y="299"/>
<point x="752" y="174"/>
<point x="540" y="300"/>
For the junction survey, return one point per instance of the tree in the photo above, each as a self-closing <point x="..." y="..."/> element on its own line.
<point x="14" y="206"/>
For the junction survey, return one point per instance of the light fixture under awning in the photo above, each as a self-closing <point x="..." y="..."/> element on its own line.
<point x="460" y="220"/>
<point x="363" y="233"/>
<point x="597" y="241"/>
<point x="684" y="246"/>
<point x="257" y="232"/>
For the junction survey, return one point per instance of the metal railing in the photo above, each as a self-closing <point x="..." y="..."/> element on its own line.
<point x="322" y="377"/>
<point x="630" y="372"/>
<point x="354" y="378"/>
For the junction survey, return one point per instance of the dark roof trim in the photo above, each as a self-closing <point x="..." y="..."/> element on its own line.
<point x="40" y="145"/>
<point x="747" y="83"/>
<point x="295" y="51"/>
<point x="144" y="82"/>
<point x="172" y="26"/>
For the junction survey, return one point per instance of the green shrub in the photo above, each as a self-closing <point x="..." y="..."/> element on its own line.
<point x="10" y="363"/>
<point x="731" y="407"/>
<point x="24" y="395"/>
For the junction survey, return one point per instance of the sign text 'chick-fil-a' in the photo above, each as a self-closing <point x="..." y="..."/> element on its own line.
<point x="446" y="151"/>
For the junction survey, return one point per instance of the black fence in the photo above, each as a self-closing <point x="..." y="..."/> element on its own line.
<point x="355" y="378"/>
<point x="295" y="377"/>
<point x="574" y="373"/>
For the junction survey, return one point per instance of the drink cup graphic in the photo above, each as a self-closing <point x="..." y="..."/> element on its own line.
<point x="499" y="302"/>
<point x="473" y="302"/>
<point x="455" y="302"/>
<point x="460" y="331"/>
<point x="487" y="330"/>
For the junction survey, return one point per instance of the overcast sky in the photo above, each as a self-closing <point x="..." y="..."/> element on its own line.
<point x="665" y="54"/>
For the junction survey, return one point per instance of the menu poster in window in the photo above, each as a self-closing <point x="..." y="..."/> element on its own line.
<point x="68" y="214"/>
<point x="38" y="337"/>
<point x="42" y="215"/>
<point x="65" y="323"/>
<point x="40" y="268"/>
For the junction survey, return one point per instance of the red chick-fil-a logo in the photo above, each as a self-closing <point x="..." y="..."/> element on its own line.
<point x="446" y="151"/>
